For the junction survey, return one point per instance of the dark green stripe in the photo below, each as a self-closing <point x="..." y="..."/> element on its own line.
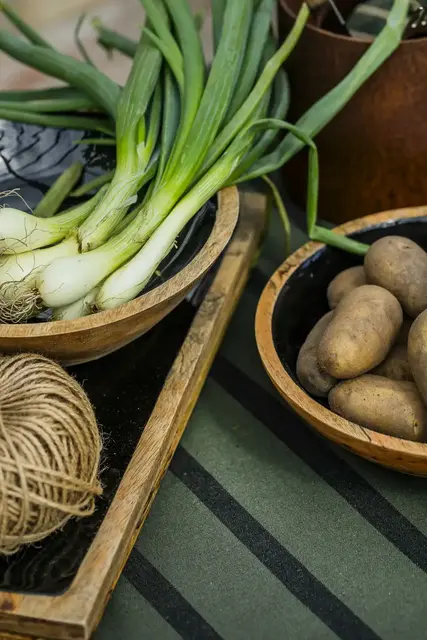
<point x="167" y="600"/>
<point x="320" y="457"/>
<point x="282" y="564"/>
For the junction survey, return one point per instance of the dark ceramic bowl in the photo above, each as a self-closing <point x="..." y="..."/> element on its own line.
<point x="291" y="304"/>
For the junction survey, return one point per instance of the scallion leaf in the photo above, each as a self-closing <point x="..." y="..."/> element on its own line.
<point x="26" y="30"/>
<point x="103" y="91"/>
<point x="59" y="191"/>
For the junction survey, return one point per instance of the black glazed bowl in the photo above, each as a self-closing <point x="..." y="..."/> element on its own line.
<point x="31" y="158"/>
<point x="291" y="304"/>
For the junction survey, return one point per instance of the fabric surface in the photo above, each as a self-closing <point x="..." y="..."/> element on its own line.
<point x="263" y="530"/>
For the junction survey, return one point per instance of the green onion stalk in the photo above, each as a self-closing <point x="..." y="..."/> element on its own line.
<point x="99" y="263"/>
<point x="18" y="278"/>
<point x="59" y="191"/>
<point x="128" y="281"/>
<point x="49" y="105"/>
<point x="30" y="95"/>
<point x="103" y="91"/>
<point x="207" y="111"/>
<point x="136" y="138"/>
<point x="87" y="87"/>
<point x="112" y="41"/>
<point x="79" y="123"/>
<point x="22" y="232"/>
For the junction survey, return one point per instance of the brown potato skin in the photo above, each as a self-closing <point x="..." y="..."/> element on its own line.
<point x="392" y="407"/>
<point x="343" y="283"/>
<point x="316" y="382"/>
<point x="396" y="365"/>
<point x="400" y="266"/>
<point x="417" y="352"/>
<point x="365" y="326"/>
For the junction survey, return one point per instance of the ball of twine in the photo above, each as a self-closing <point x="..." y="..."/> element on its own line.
<point x="50" y="450"/>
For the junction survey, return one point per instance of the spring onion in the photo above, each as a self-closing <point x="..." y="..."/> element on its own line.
<point x="53" y="105"/>
<point x="22" y="232"/>
<point x="79" y="123"/>
<point x="258" y="37"/>
<point x="218" y="11"/>
<point x="135" y="144"/>
<point x="111" y="40"/>
<point x="281" y="209"/>
<point x="128" y="281"/>
<point x="100" y="142"/>
<point x="59" y="191"/>
<point x="32" y="35"/>
<point x="216" y="98"/>
<point x="19" y="299"/>
<point x="162" y="38"/>
<point x="194" y="68"/>
<point x="97" y="86"/>
<point x="266" y="78"/>
<point x="214" y="103"/>
<point x="80" y="309"/>
<point x="93" y="184"/>
<point x="39" y="94"/>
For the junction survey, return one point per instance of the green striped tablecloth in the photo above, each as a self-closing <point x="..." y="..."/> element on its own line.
<point x="262" y="530"/>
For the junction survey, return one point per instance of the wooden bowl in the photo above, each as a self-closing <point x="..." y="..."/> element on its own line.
<point x="372" y="154"/>
<point x="77" y="341"/>
<point x="295" y="299"/>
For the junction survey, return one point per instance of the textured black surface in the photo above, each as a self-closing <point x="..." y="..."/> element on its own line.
<point x="31" y="157"/>
<point x="122" y="387"/>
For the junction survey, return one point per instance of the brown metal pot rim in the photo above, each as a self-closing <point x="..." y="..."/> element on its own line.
<point x="339" y="37"/>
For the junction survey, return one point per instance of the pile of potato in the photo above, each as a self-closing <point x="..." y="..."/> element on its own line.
<point x="368" y="355"/>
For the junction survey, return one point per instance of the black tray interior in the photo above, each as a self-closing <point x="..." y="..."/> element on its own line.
<point x="302" y="301"/>
<point x="124" y="386"/>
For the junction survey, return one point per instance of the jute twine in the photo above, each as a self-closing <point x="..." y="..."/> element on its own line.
<point x="49" y="450"/>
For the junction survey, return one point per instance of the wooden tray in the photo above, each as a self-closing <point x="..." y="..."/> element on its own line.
<point x="74" y="613"/>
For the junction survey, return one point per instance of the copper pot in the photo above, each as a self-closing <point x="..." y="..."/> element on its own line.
<point x="373" y="155"/>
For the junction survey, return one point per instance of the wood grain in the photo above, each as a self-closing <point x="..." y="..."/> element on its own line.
<point x="84" y="339"/>
<point x="75" y="614"/>
<point x="402" y="455"/>
<point x="372" y="155"/>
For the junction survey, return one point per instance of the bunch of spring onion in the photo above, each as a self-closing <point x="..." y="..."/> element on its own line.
<point x="182" y="132"/>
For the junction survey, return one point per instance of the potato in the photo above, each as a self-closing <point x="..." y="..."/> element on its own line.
<point x="311" y="378"/>
<point x="396" y="365"/>
<point x="400" y="266"/>
<point x="417" y="352"/>
<point x="363" y="330"/>
<point x="388" y="406"/>
<point x="343" y="283"/>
